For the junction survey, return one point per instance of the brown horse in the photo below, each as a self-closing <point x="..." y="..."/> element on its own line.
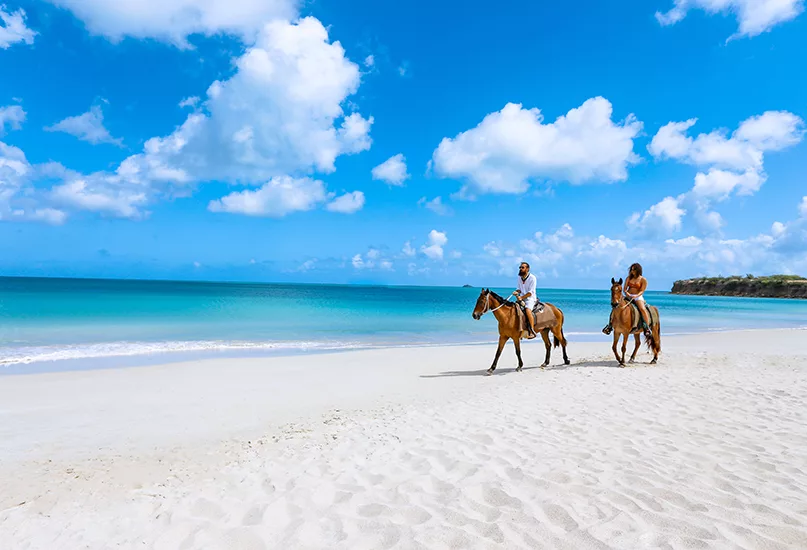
<point x="505" y="313"/>
<point x="626" y="320"/>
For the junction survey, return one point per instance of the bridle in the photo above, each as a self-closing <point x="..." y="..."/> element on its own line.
<point x="487" y="304"/>
<point x="615" y="304"/>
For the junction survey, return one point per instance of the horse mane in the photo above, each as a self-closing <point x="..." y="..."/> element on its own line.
<point x="505" y="302"/>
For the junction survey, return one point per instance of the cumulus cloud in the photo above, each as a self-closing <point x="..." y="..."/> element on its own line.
<point x="14" y="30"/>
<point x="754" y="16"/>
<point x="276" y="198"/>
<point x="372" y="259"/>
<point x="86" y="127"/>
<point x="192" y="102"/>
<point x="434" y="248"/>
<point x="663" y="217"/>
<point x="743" y="150"/>
<point x="349" y="203"/>
<point x="11" y="117"/>
<point x="733" y="164"/>
<point x="436" y="205"/>
<point x="277" y="120"/>
<point x="408" y="250"/>
<point x="511" y="147"/>
<point x="173" y="21"/>
<point x="562" y="254"/>
<point x="392" y="171"/>
<point x="100" y="194"/>
<point x="803" y="207"/>
<point x="280" y="114"/>
<point x="17" y="195"/>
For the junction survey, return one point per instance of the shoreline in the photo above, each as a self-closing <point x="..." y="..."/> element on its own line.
<point x="414" y="447"/>
<point x="192" y="351"/>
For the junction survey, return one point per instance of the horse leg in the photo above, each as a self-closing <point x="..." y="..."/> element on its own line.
<point x="616" y="342"/>
<point x="502" y="342"/>
<point x="548" y="345"/>
<point x="636" y="348"/>
<point x="624" y="347"/>
<point x="557" y="332"/>
<point x="517" y="344"/>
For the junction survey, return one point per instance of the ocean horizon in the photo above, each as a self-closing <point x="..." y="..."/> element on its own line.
<point x="64" y="323"/>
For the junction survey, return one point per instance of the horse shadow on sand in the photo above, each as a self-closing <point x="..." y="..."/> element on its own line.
<point x="579" y="364"/>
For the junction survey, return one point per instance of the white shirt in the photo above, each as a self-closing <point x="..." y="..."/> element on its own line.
<point x="528" y="285"/>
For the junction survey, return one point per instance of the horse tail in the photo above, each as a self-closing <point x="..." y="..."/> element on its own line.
<point x="562" y="339"/>
<point x="653" y="340"/>
<point x="657" y="333"/>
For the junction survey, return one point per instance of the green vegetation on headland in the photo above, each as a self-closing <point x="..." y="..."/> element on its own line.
<point x="773" y="286"/>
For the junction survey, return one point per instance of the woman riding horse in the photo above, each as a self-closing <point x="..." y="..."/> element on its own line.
<point x="635" y="286"/>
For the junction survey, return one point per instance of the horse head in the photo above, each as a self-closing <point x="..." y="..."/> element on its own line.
<point x="482" y="304"/>
<point x="616" y="291"/>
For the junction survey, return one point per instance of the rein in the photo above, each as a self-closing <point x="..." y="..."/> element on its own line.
<point x="487" y="304"/>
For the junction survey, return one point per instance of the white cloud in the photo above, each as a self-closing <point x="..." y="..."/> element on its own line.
<point x="369" y="61"/>
<point x="435" y="205"/>
<point x="513" y="146"/>
<point x="743" y="150"/>
<point x="718" y="184"/>
<point x="662" y="218"/>
<point x="803" y="207"/>
<point x="754" y="16"/>
<point x="277" y="119"/>
<point x="372" y="259"/>
<point x="280" y="113"/>
<point x="12" y="117"/>
<point x="13" y="29"/>
<point x="348" y="203"/>
<point x="174" y="21"/>
<point x="192" y="102"/>
<point x="99" y="194"/>
<point x="392" y="171"/>
<point x="408" y="250"/>
<point x="86" y="127"/>
<point x="276" y="198"/>
<point x="437" y="240"/>
<point x="734" y="165"/>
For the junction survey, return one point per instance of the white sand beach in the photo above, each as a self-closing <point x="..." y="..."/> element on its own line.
<point x="415" y="448"/>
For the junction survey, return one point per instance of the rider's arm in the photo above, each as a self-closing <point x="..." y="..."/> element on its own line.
<point x="625" y="290"/>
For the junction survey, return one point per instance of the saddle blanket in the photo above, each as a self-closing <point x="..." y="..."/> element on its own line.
<point x="544" y="318"/>
<point x="637" y="317"/>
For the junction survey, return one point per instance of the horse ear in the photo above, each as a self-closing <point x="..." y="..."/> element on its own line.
<point x="620" y="280"/>
<point x="613" y="282"/>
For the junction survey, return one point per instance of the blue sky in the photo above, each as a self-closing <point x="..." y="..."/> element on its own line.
<point x="409" y="144"/>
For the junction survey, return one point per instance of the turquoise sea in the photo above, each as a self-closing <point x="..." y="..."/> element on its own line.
<point x="46" y="324"/>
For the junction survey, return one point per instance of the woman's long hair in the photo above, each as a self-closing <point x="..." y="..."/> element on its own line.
<point x="637" y="267"/>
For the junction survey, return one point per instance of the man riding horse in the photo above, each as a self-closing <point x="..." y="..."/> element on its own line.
<point x="526" y="295"/>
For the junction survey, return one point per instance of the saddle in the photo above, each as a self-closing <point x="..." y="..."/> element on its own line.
<point x="637" y="317"/>
<point x="544" y="317"/>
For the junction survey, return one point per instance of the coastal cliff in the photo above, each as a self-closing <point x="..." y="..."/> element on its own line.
<point x="775" y="286"/>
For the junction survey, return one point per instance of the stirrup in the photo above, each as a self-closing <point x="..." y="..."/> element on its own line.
<point x="608" y="329"/>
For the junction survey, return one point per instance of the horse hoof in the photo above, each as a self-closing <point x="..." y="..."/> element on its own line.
<point x="488" y="372"/>
<point x="519" y="369"/>
<point x="654" y="361"/>
<point x="545" y="365"/>
<point x="567" y="362"/>
<point x="631" y="361"/>
<point x="622" y="365"/>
